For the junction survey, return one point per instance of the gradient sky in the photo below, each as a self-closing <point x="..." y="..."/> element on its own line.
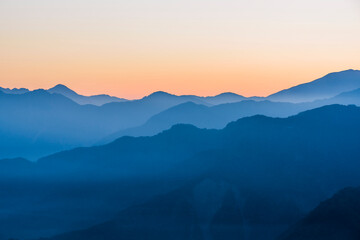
<point x="130" y="48"/>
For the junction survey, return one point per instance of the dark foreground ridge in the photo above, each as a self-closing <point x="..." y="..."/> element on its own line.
<point x="334" y="219"/>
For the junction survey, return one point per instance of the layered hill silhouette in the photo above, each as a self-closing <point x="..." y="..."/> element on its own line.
<point x="183" y="141"/>
<point x="276" y="169"/>
<point x="14" y="90"/>
<point x="262" y="175"/>
<point x="97" y="100"/>
<point x="54" y="122"/>
<point x="223" y="98"/>
<point x="351" y="97"/>
<point x="335" y="218"/>
<point x="58" y="119"/>
<point x="205" y="178"/>
<point x="38" y="123"/>
<point x="214" y="117"/>
<point x="207" y="101"/>
<point x="325" y="87"/>
<point x="218" y="116"/>
<point x="101" y="99"/>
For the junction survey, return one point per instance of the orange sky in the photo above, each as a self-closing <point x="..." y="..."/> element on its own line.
<point x="132" y="48"/>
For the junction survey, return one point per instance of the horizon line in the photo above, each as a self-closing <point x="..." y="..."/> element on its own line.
<point x="168" y="92"/>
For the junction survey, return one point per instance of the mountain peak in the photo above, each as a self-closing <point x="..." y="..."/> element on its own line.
<point x="352" y="70"/>
<point x="181" y="129"/>
<point x="160" y="94"/>
<point x="349" y="71"/>
<point x="62" y="89"/>
<point x="227" y="94"/>
<point x="61" y="85"/>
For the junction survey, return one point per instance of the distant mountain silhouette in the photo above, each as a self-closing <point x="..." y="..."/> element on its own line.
<point x="102" y="99"/>
<point x="54" y="122"/>
<point x="34" y="123"/>
<point x="161" y="97"/>
<point x="334" y="219"/>
<point x="89" y="125"/>
<point x="273" y="172"/>
<point x="218" y="116"/>
<point x="210" y="116"/>
<point x="351" y="97"/>
<point x="208" y="101"/>
<point x="223" y="98"/>
<point x="184" y="141"/>
<point x="14" y="90"/>
<point x="325" y="87"/>
<point x="97" y="100"/>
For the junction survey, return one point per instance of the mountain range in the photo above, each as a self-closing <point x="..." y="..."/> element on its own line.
<point x="258" y="175"/>
<point x="55" y="122"/>
<point x="326" y="87"/>
<point x="97" y="100"/>
<point x="214" y="117"/>
<point x="218" y="116"/>
<point x="181" y="167"/>
<point x="58" y="118"/>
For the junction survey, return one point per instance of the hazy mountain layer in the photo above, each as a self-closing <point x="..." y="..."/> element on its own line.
<point x="214" y="117"/>
<point x="97" y="100"/>
<point x="38" y="123"/>
<point x="271" y="167"/>
<point x="325" y="87"/>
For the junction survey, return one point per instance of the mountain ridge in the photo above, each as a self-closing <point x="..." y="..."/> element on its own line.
<point x="97" y="100"/>
<point x="328" y="86"/>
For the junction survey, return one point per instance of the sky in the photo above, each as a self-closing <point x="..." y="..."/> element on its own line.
<point x="204" y="47"/>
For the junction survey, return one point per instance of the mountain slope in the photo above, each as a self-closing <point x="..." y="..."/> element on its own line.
<point x="351" y="97"/>
<point x="210" y="117"/>
<point x="325" y="87"/>
<point x="97" y="100"/>
<point x="335" y="218"/>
